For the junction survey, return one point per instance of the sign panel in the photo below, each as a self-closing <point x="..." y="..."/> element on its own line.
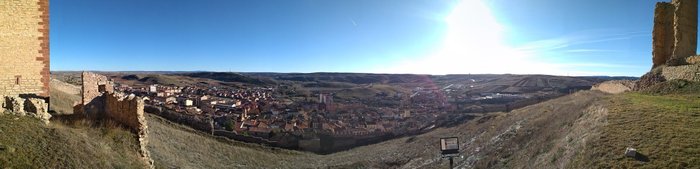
<point x="449" y="145"/>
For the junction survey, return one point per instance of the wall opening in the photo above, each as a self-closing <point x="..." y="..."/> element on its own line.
<point x="17" y="79"/>
<point x="102" y="88"/>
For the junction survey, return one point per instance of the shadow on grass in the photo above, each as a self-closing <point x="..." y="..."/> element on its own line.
<point x="641" y="157"/>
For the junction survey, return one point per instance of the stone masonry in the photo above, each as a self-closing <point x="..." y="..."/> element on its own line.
<point x="685" y="25"/>
<point x="675" y="32"/>
<point x="28" y="106"/>
<point x="674" y="44"/>
<point x="662" y="35"/>
<point x="93" y="84"/>
<point x="100" y="101"/>
<point x="24" y="47"/>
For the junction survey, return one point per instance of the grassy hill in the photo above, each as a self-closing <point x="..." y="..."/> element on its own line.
<point x="28" y="143"/>
<point x="665" y="129"/>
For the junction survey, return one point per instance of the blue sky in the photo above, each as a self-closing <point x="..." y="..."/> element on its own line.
<point x="583" y="37"/>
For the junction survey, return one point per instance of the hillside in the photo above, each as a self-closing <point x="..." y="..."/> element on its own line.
<point x="28" y="143"/>
<point x="553" y="134"/>
<point x="230" y="77"/>
<point x="588" y="129"/>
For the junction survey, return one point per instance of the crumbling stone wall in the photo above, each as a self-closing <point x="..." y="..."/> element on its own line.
<point x="675" y="32"/>
<point x="100" y="101"/>
<point x="678" y="19"/>
<point x="685" y="72"/>
<point x="91" y="86"/>
<point x="24" y="47"/>
<point x="693" y="60"/>
<point x="685" y="25"/>
<point x="662" y="35"/>
<point x="27" y="106"/>
<point x="128" y="110"/>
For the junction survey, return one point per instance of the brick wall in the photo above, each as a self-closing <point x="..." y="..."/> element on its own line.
<point x="24" y="47"/>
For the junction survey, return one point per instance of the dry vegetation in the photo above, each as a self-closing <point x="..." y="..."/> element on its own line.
<point x="665" y="129"/>
<point x="176" y="146"/>
<point x="63" y="96"/>
<point x="496" y="140"/>
<point x="587" y="129"/>
<point x="583" y="130"/>
<point x="28" y="143"/>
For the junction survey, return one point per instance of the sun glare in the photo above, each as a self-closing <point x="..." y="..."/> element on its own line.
<point x="474" y="42"/>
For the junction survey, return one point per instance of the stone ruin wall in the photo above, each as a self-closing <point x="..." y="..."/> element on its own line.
<point x="24" y="47"/>
<point x="675" y="32"/>
<point x="662" y="35"/>
<point x="90" y="85"/>
<point x="685" y="24"/>
<point x="29" y="106"/>
<point x="100" y="100"/>
<point x="128" y="110"/>
<point x="674" y="43"/>
<point x="686" y="72"/>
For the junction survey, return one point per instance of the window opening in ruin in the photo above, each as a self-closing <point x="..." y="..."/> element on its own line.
<point x="17" y="79"/>
<point x="102" y="88"/>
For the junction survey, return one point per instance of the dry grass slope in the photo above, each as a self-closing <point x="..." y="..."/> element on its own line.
<point x="176" y="146"/>
<point x="587" y="129"/>
<point x="63" y="95"/>
<point x="665" y="129"/>
<point x="28" y="143"/>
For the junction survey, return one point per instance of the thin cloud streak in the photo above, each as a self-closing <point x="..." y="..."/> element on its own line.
<point x="589" y="51"/>
<point x="579" y="38"/>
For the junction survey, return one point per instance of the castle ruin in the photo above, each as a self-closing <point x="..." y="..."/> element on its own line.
<point x="24" y="47"/>
<point x="674" y="35"/>
<point x="24" y="58"/>
<point x="99" y="101"/>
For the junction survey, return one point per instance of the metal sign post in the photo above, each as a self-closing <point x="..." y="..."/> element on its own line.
<point x="449" y="148"/>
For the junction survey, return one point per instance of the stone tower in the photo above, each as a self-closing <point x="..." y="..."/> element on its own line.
<point x="663" y="36"/>
<point x="24" y="47"/>
<point x="685" y="25"/>
<point x="675" y="32"/>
